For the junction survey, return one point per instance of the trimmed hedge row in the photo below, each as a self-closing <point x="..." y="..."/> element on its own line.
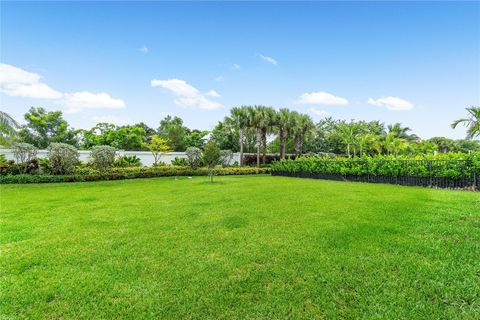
<point x="445" y="171"/>
<point x="86" y="174"/>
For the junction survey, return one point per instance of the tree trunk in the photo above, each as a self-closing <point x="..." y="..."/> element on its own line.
<point x="297" y="145"/>
<point x="259" y="143"/>
<point x="348" y="150"/>
<point x="264" y="146"/>
<point x="282" y="136"/>
<point x="241" y="146"/>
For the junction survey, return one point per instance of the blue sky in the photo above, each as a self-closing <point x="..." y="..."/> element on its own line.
<point x="415" y="63"/>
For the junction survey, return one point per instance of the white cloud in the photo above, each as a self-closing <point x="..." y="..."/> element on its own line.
<point x="189" y="96"/>
<point x="20" y="83"/>
<point x="213" y="93"/>
<point x="219" y="79"/>
<point x="143" y="49"/>
<point x="78" y="101"/>
<point x="235" y="67"/>
<point x="318" y="112"/>
<point x="320" y="98"/>
<point x="267" y="59"/>
<point x="391" y="103"/>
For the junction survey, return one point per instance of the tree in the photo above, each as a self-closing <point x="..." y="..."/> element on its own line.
<point x="369" y="143"/>
<point x="211" y="157"/>
<point x="225" y="135"/>
<point x="285" y="123"/>
<point x="472" y="122"/>
<point x="239" y="118"/>
<point x="302" y="130"/>
<point x="173" y="130"/>
<point x="262" y="119"/>
<point x="394" y="145"/>
<point x="157" y="147"/>
<point x="8" y="127"/>
<point x="402" y="132"/>
<point x="196" y="138"/>
<point x="44" y="127"/>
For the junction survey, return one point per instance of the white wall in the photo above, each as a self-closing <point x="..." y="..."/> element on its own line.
<point x="145" y="156"/>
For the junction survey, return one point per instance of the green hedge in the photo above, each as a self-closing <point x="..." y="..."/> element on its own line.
<point x="452" y="165"/>
<point x="86" y="174"/>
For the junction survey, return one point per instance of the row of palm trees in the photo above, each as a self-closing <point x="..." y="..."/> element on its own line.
<point x="266" y="120"/>
<point x="287" y="124"/>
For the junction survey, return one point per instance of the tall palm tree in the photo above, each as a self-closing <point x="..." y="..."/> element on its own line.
<point x="402" y="132"/>
<point x="240" y="119"/>
<point x="8" y="127"/>
<point x="262" y="119"/>
<point x="472" y="123"/>
<point x="285" y="124"/>
<point x="301" y="131"/>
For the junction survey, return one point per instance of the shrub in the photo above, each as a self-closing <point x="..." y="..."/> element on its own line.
<point x="211" y="157"/>
<point x="450" y="165"/>
<point x="179" y="162"/>
<point x="24" y="152"/>
<point x="62" y="157"/>
<point x="3" y="159"/>
<point x="226" y="157"/>
<point x="194" y="157"/>
<point x="103" y="157"/>
<point x="89" y="174"/>
<point x="157" y="146"/>
<point x="128" y="161"/>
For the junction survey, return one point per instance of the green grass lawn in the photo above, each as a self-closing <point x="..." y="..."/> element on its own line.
<point x="245" y="247"/>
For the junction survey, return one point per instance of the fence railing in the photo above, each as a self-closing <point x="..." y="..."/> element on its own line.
<point x="452" y="174"/>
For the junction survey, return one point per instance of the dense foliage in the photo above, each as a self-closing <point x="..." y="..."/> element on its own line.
<point x="103" y="157"/>
<point x="24" y="152"/>
<point x="88" y="174"/>
<point x="63" y="157"/>
<point x="451" y="165"/>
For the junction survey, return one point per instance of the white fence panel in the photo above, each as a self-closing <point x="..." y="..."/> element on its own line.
<point x="145" y="156"/>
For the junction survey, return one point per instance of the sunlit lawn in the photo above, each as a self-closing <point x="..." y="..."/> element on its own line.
<point x="244" y="247"/>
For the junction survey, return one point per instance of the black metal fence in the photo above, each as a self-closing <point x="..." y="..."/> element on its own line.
<point x="450" y="174"/>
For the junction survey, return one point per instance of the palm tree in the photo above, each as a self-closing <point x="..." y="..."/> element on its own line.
<point x="402" y="132"/>
<point x="262" y="119"/>
<point x="394" y="145"/>
<point x="8" y="127"/>
<point x="239" y="117"/>
<point x="302" y="130"/>
<point x="348" y="132"/>
<point x="472" y="123"/>
<point x="285" y="124"/>
<point x="370" y="142"/>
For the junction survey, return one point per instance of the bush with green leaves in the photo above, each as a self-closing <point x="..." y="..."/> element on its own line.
<point x="194" y="157"/>
<point x="24" y="152"/>
<point x="89" y="174"/>
<point x="128" y="161"/>
<point x="62" y="157"/>
<point x="211" y="157"/>
<point x="226" y="157"/>
<point x="103" y="157"/>
<point x="182" y="162"/>
<point x="449" y="165"/>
